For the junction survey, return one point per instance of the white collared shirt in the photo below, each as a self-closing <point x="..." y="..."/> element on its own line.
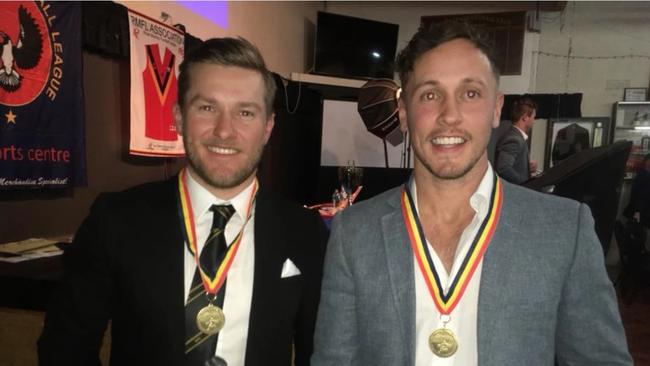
<point x="231" y="344"/>
<point x="463" y="319"/>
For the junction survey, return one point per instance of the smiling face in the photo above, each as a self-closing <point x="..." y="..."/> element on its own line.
<point x="224" y="125"/>
<point x="449" y="106"/>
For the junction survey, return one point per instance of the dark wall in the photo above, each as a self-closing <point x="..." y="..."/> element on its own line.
<point x="25" y="214"/>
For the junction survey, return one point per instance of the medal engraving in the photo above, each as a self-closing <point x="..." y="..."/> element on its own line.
<point x="443" y="342"/>
<point x="210" y="319"/>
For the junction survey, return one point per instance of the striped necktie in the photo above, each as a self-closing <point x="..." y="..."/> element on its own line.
<point x="199" y="347"/>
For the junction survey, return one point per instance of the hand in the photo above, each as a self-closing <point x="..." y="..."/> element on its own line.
<point x="637" y="216"/>
<point x="532" y="166"/>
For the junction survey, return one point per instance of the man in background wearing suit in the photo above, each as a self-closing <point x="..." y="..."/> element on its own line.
<point x="512" y="158"/>
<point x="202" y="268"/>
<point x="458" y="267"/>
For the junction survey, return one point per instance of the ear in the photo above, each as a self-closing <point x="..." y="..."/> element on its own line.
<point x="497" y="110"/>
<point x="401" y="103"/>
<point x="178" y="119"/>
<point x="270" y="122"/>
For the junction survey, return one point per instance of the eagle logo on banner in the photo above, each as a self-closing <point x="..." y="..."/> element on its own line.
<point x="26" y="54"/>
<point x="41" y="97"/>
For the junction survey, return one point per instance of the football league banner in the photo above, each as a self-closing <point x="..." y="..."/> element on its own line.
<point x="156" y="53"/>
<point x="41" y="98"/>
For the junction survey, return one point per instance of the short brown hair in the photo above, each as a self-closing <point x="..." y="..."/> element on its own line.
<point x="227" y="52"/>
<point x="522" y="107"/>
<point x="432" y="36"/>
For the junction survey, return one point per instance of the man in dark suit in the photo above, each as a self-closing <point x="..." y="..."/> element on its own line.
<point x="202" y="268"/>
<point x="512" y="159"/>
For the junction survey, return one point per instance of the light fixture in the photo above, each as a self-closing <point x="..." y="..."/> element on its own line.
<point x="376" y="54"/>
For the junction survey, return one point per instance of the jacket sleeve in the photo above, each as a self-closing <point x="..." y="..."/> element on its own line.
<point x="335" y="341"/>
<point x="79" y="310"/>
<point x="589" y="329"/>
<point x="508" y="151"/>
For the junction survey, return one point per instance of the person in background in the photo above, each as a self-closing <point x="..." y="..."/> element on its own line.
<point x="512" y="158"/>
<point x="206" y="268"/>
<point x="459" y="267"/>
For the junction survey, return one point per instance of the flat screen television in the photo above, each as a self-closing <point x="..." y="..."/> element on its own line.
<point x="354" y="47"/>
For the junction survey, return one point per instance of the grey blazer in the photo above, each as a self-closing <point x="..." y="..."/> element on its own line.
<point x="544" y="290"/>
<point x="511" y="157"/>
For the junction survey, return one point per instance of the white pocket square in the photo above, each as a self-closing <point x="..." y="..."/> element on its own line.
<point x="289" y="269"/>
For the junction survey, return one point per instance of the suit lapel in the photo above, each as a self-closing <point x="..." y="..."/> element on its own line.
<point x="269" y="254"/>
<point x="495" y="278"/>
<point x="399" y="260"/>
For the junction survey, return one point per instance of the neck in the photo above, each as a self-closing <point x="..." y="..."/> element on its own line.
<point x="447" y="199"/>
<point x="522" y="126"/>
<point x="224" y="193"/>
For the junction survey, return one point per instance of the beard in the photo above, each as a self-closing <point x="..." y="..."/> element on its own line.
<point x="222" y="179"/>
<point x="449" y="170"/>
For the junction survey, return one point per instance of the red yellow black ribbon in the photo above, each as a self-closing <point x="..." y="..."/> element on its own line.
<point x="447" y="302"/>
<point x="211" y="285"/>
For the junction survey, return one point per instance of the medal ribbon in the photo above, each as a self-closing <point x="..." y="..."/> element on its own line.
<point x="211" y="285"/>
<point x="447" y="303"/>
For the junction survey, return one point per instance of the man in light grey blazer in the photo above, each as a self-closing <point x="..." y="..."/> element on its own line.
<point x="512" y="159"/>
<point x="458" y="267"/>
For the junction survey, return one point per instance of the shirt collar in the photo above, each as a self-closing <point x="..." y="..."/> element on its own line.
<point x="202" y="199"/>
<point x="480" y="199"/>
<point x="522" y="132"/>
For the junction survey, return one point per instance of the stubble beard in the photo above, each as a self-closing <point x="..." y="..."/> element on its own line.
<point x="443" y="173"/>
<point x="221" y="181"/>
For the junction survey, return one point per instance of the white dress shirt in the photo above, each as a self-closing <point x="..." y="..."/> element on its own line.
<point x="231" y="345"/>
<point x="463" y="319"/>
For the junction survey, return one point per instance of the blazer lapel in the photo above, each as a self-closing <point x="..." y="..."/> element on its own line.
<point x="269" y="254"/>
<point x="399" y="260"/>
<point x="495" y="278"/>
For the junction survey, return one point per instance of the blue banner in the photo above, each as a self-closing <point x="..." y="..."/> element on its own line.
<point x="41" y="97"/>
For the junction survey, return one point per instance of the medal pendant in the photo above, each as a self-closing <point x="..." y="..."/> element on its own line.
<point x="443" y="342"/>
<point x="210" y="319"/>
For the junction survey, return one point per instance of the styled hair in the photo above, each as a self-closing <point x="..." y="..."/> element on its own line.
<point x="227" y="52"/>
<point x="522" y="107"/>
<point x="435" y="34"/>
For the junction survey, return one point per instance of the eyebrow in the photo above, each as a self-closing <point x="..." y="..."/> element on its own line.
<point x="202" y="98"/>
<point x="468" y="80"/>
<point x="250" y="105"/>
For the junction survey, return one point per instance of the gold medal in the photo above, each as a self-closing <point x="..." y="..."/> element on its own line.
<point x="210" y="319"/>
<point x="443" y="342"/>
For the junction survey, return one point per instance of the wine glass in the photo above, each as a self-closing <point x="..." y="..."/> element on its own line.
<point x="350" y="177"/>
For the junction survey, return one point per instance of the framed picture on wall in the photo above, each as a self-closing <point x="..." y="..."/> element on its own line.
<point x="635" y="94"/>
<point x="568" y="136"/>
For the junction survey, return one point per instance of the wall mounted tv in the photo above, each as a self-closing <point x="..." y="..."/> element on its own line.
<point x="354" y="47"/>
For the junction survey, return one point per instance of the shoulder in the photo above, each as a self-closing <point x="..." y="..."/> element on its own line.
<point x="510" y="136"/>
<point x="378" y="205"/>
<point x="543" y="212"/>
<point x="530" y="200"/>
<point x="152" y="195"/>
